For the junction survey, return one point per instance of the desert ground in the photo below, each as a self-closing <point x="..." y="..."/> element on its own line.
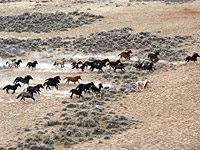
<point x="167" y="111"/>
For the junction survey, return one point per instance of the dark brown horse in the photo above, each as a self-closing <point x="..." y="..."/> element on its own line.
<point x="153" y="57"/>
<point x="83" y="66"/>
<point x="73" y="79"/>
<point x="147" y="67"/>
<point x="36" y="88"/>
<point x="119" y="66"/>
<point x="138" y="66"/>
<point x="76" y="64"/>
<point x="125" y="55"/>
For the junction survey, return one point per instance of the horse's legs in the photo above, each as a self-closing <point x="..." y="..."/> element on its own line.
<point x="7" y="90"/>
<point x="71" y="95"/>
<point x="38" y="92"/>
<point x="13" y="92"/>
<point x="48" y="87"/>
<point x="22" y="98"/>
<point x="80" y="96"/>
<point x="33" y="99"/>
<point x="56" y="87"/>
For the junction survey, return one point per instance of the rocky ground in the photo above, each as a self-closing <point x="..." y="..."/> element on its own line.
<point x="163" y="116"/>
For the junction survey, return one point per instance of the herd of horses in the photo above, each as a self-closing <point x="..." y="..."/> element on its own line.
<point x="50" y="82"/>
<point x="96" y="64"/>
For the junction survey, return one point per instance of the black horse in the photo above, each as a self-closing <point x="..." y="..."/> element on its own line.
<point x="98" y="66"/>
<point x="192" y="58"/>
<point x="77" y="92"/>
<point x="17" y="63"/>
<point x="29" y="94"/>
<point x="97" y="90"/>
<point x="24" y="80"/>
<point x="51" y="83"/>
<point x="89" y="63"/>
<point x="101" y="61"/>
<point x="55" y="79"/>
<point x="32" y="64"/>
<point x="113" y="63"/>
<point x="85" y="87"/>
<point x="11" y="87"/>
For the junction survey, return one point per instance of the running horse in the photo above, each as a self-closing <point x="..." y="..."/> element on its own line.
<point x="147" y="67"/>
<point x="125" y="55"/>
<point x="29" y="94"/>
<point x="14" y="63"/>
<point x="153" y="57"/>
<point x="36" y="88"/>
<point x="32" y="64"/>
<point x="11" y="87"/>
<point x="60" y="62"/>
<point x="24" y="80"/>
<point x="76" y="64"/>
<point x="192" y="58"/>
<point x="73" y="79"/>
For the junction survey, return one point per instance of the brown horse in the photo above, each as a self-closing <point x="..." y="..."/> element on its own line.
<point x="147" y="67"/>
<point x="153" y="57"/>
<point x="36" y="88"/>
<point x="138" y="66"/>
<point x="125" y="55"/>
<point x="82" y="67"/>
<point x="60" y="62"/>
<point x="119" y="66"/>
<point x="76" y="64"/>
<point x="73" y="79"/>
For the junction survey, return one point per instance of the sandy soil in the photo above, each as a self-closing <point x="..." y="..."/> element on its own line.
<point x="169" y="108"/>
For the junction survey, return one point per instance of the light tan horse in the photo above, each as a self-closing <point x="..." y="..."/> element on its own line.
<point x="73" y="79"/>
<point x="13" y="63"/>
<point x="60" y="62"/>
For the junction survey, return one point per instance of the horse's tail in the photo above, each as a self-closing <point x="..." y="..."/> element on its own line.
<point x="119" y="54"/>
<point x="66" y="78"/>
<point x="6" y="62"/>
<point x="54" y="63"/>
<point x="187" y="58"/>
<point x="19" y="95"/>
<point x="71" y="91"/>
<point x="5" y="87"/>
